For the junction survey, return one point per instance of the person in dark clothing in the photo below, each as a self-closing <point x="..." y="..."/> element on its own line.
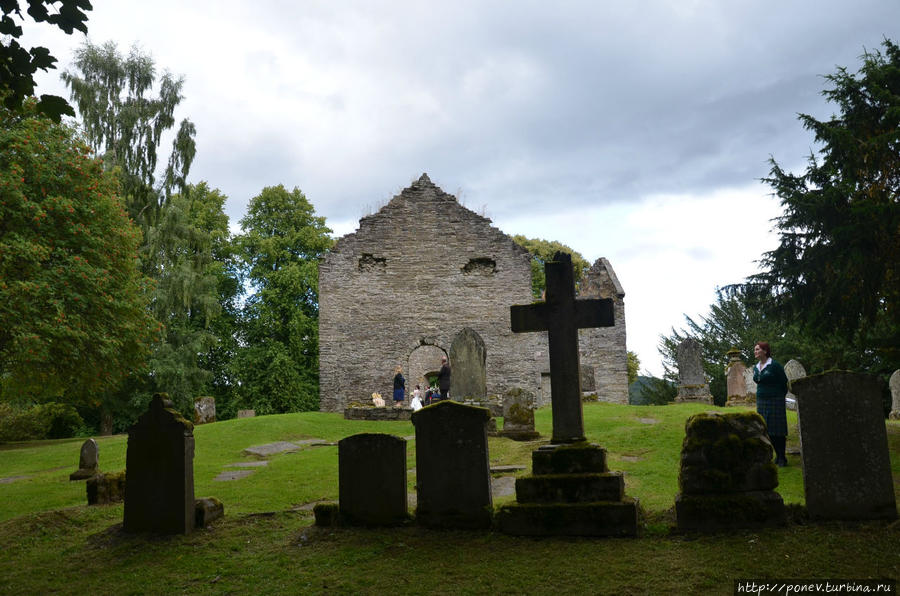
<point x="399" y="387"/>
<point x="771" y="387"/>
<point x="444" y="378"/>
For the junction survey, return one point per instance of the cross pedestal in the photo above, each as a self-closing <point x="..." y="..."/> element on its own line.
<point x="561" y="316"/>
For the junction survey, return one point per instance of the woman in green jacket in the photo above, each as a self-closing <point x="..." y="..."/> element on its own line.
<point x="771" y="387"/>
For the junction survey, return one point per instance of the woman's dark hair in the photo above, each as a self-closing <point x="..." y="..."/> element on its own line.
<point x="764" y="346"/>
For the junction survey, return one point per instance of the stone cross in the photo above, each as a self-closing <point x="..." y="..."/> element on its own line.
<point x="561" y="315"/>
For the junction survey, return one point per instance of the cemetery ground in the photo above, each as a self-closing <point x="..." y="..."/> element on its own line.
<point x="53" y="542"/>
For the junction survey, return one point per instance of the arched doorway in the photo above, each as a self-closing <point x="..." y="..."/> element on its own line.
<point x="424" y="361"/>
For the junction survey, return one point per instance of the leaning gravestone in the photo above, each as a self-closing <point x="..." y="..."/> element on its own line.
<point x="570" y="492"/>
<point x="846" y="463"/>
<point x="468" y="356"/>
<point x="518" y="415"/>
<point x="692" y="385"/>
<point x="895" y="395"/>
<point x="727" y="476"/>
<point x="88" y="461"/>
<point x="453" y="475"/>
<point x="159" y="496"/>
<point x="372" y="479"/>
<point x="793" y="370"/>
<point x="204" y="410"/>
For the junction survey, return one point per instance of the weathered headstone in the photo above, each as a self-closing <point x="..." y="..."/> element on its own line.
<point x="561" y="316"/>
<point x="793" y="370"/>
<point x="88" y="461"/>
<point x="588" y="380"/>
<point x="159" y="496"/>
<point x="727" y="478"/>
<point x="103" y="489"/>
<point x="372" y="479"/>
<point x="894" y="384"/>
<point x="692" y="385"/>
<point x="518" y="415"/>
<point x="736" y="381"/>
<point x="468" y="355"/>
<point x="846" y="463"/>
<point x="750" y="384"/>
<point x="204" y="410"/>
<point x="453" y="479"/>
<point x="571" y="492"/>
<point x="246" y="413"/>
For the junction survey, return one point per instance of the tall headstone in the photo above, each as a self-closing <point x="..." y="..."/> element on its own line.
<point x="468" y="356"/>
<point x="793" y="370"/>
<point x="727" y="478"/>
<point x="692" y="385"/>
<point x="88" y="461"/>
<point x="561" y="315"/>
<point x="750" y="383"/>
<point x="736" y="381"/>
<point x="570" y="492"/>
<point x="204" y="410"/>
<point x="372" y="479"/>
<point x="846" y="463"/>
<point x="453" y="474"/>
<point x="159" y="494"/>
<point x="518" y="415"/>
<point x="895" y="395"/>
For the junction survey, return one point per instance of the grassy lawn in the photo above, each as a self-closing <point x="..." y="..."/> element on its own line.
<point x="53" y="542"/>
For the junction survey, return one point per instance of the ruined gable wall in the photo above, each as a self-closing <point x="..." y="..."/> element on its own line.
<point x="604" y="348"/>
<point x="415" y="273"/>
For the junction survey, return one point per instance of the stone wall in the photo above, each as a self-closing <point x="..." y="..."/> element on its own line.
<point x="413" y="276"/>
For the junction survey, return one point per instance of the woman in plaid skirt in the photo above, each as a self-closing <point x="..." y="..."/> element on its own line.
<point x="771" y="387"/>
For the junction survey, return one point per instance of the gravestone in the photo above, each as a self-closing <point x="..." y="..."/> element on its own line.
<point x="846" y="463"/>
<point x="103" y="489"/>
<point x="246" y="413"/>
<point x="727" y="478"/>
<point x="894" y="384"/>
<point x="468" y="356"/>
<point x="88" y="461"/>
<point x="692" y="385"/>
<point x="736" y="381"/>
<point x="159" y="496"/>
<point x="588" y="381"/>
<point x="372" y="479"/>
<point x="453" y="478"/>
<point x="204" y="410"/>
<point x="793" y="370"/>
<point x="750" y="384"/>
<point x="570" y="492"/>
<point x="518" y="415"/>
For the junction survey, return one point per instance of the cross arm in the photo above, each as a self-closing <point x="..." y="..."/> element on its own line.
<point x="528" y="317"/>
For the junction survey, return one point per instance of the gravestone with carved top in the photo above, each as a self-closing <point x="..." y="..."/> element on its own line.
<point x="571" y="491"/>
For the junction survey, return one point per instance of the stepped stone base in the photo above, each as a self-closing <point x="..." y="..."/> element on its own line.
<point x="711" y="512"/>
<point x="571" y="493"/>
<point x="604" y="518"/>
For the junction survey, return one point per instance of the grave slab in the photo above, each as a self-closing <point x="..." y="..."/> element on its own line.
<point x="271" y="449"/>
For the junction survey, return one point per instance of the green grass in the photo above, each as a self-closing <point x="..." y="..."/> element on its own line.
<point x="52" y="542"/>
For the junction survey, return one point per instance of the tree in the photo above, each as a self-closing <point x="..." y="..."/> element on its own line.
<point x="73" y="304"/>
<point x="18" y="65"/>
<point x="836" y="271"/>
<point x="543" y="251"/>
<point x="124" y="123"/>
<point x="281" y="243"/>
<point x="634" y="366"/>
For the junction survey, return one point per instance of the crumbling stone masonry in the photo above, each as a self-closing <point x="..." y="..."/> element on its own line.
<point x="418" y="272"/>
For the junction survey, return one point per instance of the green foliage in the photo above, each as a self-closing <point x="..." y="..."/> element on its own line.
<point x="19" y="65"/>
<point x="73" y="305"/>
<point x="836" y="271"/>
<point x="280" y="246"/>
<point x="634" y="365"/>
<point x="44" y="421"/>
<point x="543" y="251"/>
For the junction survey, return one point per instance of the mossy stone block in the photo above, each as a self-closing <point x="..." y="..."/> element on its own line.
<point x="570" y="488"/>
<point x="605" y="518"/>
<point x="328" y="515"/>
<point x="710" y="513"/>
<point x="573" y="458"/>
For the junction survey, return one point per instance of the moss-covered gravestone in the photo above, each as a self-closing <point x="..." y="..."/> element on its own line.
<point x="727" y="477"/>
<point x="846" y="458"/>
<point x="159" y="495"/>
<point x="518" y="415"/>
<point x="372" y="479"/>
<point x="453" y="473"/>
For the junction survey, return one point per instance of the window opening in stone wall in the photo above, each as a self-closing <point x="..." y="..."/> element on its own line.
<point x="369" y="262"/>
<point x="480" y="266"/>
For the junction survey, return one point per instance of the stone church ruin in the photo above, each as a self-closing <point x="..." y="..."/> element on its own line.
<point x="425" y="277"/>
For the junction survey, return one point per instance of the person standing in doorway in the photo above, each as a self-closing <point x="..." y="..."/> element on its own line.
<point x="399" y="386"/>
<point x="444" y="378"/>
<point x="771" y="387"/>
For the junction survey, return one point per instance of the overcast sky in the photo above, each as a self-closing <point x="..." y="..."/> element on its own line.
<point x="636" y="131"/>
